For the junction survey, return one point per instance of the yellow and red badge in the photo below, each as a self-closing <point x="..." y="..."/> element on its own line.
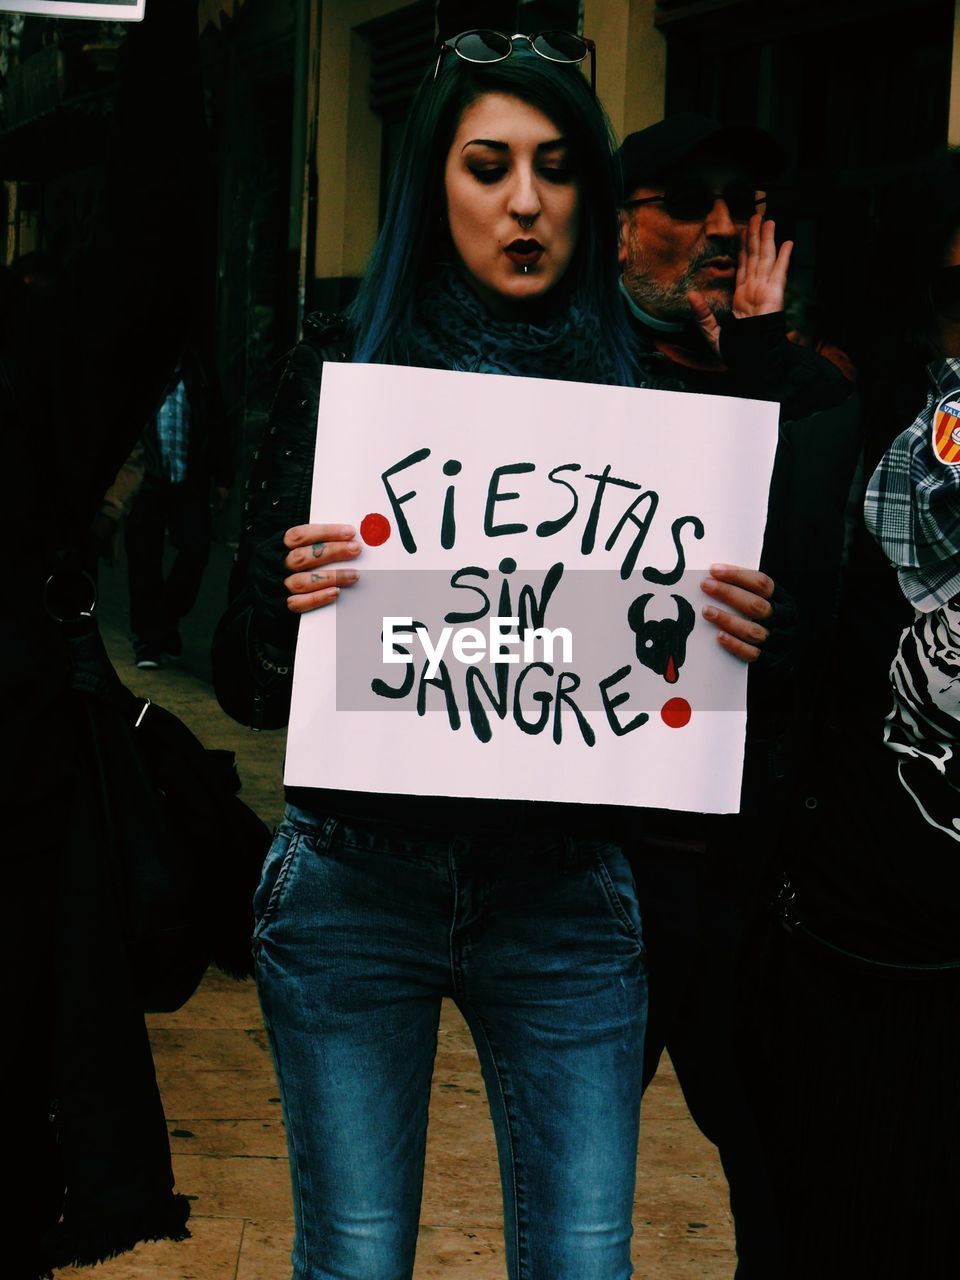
<point x="946" y="430"/>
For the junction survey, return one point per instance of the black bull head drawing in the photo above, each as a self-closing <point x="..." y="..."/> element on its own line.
<point x="662" y="643"/>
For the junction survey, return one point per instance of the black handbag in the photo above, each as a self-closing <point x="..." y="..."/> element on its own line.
<point x="185" y="852"/>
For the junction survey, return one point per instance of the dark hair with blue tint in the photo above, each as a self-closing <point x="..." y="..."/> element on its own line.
<point x="413" y="239"/>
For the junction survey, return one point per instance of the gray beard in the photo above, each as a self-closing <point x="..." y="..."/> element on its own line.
<point x="671" y="303"/>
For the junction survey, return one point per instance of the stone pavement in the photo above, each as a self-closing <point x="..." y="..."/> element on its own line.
<point x="223" y="1112"/>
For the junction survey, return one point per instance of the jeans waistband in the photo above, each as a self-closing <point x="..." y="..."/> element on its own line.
<point x="502" y="849"/>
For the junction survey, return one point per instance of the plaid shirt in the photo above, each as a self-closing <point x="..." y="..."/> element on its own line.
<point x="173" y="431"/>
<point x="912" y="504"/>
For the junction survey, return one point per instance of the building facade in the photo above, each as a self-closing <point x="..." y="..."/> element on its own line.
<point x="854" y="90"/>
<point x="306" y="101"/>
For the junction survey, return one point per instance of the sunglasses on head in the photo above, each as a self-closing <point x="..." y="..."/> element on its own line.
<point x="692" y="199"/>
<point x="945" y="292"/>
<point x="494" y="46"/>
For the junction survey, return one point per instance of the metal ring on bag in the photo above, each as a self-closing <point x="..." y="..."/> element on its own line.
<point x="48" y="603"/>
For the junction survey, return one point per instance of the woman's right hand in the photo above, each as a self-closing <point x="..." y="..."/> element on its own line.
<point x="315" y="551"/>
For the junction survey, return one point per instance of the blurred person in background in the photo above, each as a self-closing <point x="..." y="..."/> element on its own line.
<point x="114" y="508"/>
<point x="188" y="469"/>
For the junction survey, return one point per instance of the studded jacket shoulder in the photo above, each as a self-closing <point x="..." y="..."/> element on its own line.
<point x="255" y="639"/>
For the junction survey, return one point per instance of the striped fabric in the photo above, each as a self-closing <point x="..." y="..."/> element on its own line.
<point x="912" y="505"/>
<point x="924" y="726"/>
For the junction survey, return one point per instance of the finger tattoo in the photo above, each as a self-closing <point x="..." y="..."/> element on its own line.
<point x="317" y="549"/>
<point x="318" y="577"/>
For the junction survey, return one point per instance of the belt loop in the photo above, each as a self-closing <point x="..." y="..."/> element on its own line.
<point x="327" y="832"/>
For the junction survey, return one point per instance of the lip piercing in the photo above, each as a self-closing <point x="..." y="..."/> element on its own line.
<point x="525" y="269"/>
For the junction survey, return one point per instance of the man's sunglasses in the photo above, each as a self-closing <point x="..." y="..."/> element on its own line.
<point x="692" y="200"/>
<point x="494" y="46"/>
<point x="945" y="293"/>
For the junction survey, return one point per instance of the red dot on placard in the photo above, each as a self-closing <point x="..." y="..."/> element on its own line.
<point x="675" y="713"/>
<point x="374" y="529"/>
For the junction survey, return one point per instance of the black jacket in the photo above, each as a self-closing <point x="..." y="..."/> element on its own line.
<point x="760" y="363"/>
<point x="81" y="371"/>
<point x="803" y="542"/>
<point x="210" y="451"/>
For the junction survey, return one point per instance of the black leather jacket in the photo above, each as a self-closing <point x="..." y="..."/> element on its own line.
<point x="254" y="642"/>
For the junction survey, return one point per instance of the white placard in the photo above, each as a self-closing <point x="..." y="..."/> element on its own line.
<point x="106" y="10"/>
<point x="590" y="510"/>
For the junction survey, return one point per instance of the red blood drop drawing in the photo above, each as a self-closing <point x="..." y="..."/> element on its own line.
<point x="374" y="529"/>
<point x="676" y="712"/>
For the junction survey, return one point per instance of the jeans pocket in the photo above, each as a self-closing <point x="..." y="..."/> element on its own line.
<point x="616" y="881"/>
<point x="276" y="872"/>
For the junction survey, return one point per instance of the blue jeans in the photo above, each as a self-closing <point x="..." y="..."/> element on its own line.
<point x="362" y="929"/>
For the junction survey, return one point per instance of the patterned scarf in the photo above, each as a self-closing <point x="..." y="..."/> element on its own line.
<point x="454" y="330"/>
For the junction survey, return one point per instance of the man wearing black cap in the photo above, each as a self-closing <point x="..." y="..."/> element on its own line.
<point x="704" y="283"/>
<point x="693" y="200"/>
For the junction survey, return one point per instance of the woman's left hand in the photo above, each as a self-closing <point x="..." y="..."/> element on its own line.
<point x="749" y="592"/>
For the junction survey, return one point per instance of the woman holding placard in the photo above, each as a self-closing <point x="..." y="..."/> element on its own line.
<point x="369" y="918"/>
<point x="497" y="254"/>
